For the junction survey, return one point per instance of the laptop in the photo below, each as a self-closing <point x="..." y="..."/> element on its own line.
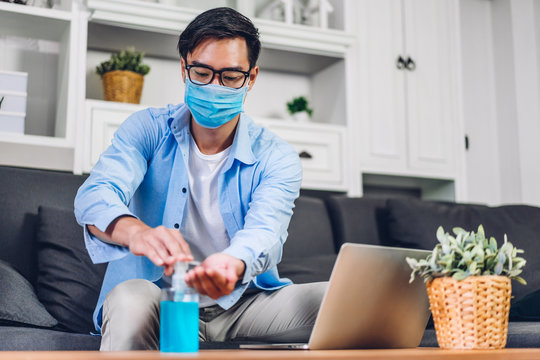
<point x="369" y="302"/>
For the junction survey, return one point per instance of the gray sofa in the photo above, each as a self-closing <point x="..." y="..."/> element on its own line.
<point x="49" y="285"/>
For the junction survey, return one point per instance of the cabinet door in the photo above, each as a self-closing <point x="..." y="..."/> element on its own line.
<point x="431" y="99"/>
<point x="382" y="101"/>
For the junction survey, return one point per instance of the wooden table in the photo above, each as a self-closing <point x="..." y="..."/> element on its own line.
<point x="407" y="354"/>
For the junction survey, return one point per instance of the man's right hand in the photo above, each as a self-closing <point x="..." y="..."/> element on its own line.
<point x="163" y="246"/>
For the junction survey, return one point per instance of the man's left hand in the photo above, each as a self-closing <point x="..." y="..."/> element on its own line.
<point x="216" y="276"/>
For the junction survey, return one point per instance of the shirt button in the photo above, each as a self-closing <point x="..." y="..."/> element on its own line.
<point x="184" y="190"/>
<point x="176" y="226"/>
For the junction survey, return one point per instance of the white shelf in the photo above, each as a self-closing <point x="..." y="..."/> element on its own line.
<point x="302" y="38"/>
<point x="42" y="152"/>
<point x="141" y="15"/>
<point x="408" y="173"/>
<point x="34" y="22"/>
<point x="36" y="11"/>
<point x="172" y="19"/>
<point x="48" y="141"/>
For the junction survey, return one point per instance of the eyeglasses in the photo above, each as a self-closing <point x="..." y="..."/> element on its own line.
<point x="203" y="75"/>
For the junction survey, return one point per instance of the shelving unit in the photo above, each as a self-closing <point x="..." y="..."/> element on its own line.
<point x="356" y="122"/>
<point x="295" y="60"/>
<point x="42" y="42"/>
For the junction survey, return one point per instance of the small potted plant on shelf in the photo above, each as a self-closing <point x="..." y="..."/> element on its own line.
<point x="123" y="76"/>
<point x="299" y="109"/>
<point x="468" y="285"/>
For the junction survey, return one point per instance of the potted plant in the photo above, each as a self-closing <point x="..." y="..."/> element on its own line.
<point x="299" y="109"/>
<point x="123" y="76"/>
<point x="468" y="285"/>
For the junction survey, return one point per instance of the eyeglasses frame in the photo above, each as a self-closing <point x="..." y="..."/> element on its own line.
<point x="219" y="72"/>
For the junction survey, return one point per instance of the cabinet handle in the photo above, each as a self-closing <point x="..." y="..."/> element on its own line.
<point x="1" y="101"/>
<point x="400" y="63"/>
<point x="411" y="65"/>
<point x="305" y="155"/>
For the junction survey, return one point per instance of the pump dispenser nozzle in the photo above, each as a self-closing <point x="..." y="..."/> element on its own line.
<point x="178" y="284"/>
<point x="180" y="270"/>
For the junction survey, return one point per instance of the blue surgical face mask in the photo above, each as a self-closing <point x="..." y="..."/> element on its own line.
<point x="213" y="105"/>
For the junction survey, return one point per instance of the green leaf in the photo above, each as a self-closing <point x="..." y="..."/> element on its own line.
<point x="460" y="275"/>
<point x="498" y="268"/>
<point x="481" y="232"/>
<point x="127" y="59"/>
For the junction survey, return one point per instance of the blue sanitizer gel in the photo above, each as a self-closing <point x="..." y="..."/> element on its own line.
<point x="179" y="326"/>
<point x="179" y="316"/>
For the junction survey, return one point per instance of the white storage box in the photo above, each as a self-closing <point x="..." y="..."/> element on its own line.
<point x="12" y="122"/>
<point x="13" y="81"/>
<point x="12" y="102"/>
<point x="13" y="96"/>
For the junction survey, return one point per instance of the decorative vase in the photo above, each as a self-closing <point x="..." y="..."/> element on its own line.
<point x="471" y="313"/>
<point x="301" y="116"/>
<point x="123" y="86"/>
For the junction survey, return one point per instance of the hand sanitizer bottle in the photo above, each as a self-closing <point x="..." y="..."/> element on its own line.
<point x="179" y="315"/>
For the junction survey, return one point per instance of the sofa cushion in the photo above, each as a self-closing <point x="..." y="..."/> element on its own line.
<point x="68" y="283"/>
<point x="18" y="302"/>
<point x="305" y="270"/>
<point x="22" y="191"/>
<point x="527" y="308"/>
<point x="520" y="335"/>
<point x="310" y="232"/>
<point x="413" y="223"/>
<point x="31" y="339"/>
<point x="358" y="220"/>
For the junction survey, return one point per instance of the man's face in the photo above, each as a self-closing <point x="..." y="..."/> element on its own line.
<point x="221" y="54"/>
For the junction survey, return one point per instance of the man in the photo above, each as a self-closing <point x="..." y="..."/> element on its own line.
<point x="198" y="181"/>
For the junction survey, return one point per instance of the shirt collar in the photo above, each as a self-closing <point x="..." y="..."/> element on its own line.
<point x="179" y="117"/>
<point x="241" y="147"/>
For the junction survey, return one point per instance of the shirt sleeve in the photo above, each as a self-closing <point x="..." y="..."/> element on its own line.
<point x="106" y="193"/>
<point x="259" y="244"/>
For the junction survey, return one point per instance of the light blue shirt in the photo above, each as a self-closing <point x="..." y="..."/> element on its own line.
<point x="144" y="174"/>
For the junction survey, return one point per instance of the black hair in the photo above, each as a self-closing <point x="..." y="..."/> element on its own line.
<point x="220" y="23"/>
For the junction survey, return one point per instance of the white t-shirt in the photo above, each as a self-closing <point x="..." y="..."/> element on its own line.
<point x="203" y="227"/>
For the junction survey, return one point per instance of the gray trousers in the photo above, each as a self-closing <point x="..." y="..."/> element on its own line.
<point x="131" y="316"/>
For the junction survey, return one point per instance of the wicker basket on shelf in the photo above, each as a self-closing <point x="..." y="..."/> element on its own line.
<point x="123" y="86"/>
<point x="471" y="313"/>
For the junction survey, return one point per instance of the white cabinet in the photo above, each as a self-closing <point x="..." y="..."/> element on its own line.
<point x="369" y="117"/>
<point x="409" y="81"/>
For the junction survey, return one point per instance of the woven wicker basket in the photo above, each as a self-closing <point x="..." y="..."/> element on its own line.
<point x="123" y="86"/>
<point x="472" y="313"/>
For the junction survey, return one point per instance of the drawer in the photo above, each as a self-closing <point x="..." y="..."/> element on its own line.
<point x="12" y="122"/>
<point x="13" y="81"/>
<point x="12" y="102"/>
<point x="321" y="153"/>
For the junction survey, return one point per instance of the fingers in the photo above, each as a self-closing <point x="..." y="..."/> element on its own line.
<point x="209" y="281"/>
<point x="161" y="245"/>
<point x="169" y="270"/>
